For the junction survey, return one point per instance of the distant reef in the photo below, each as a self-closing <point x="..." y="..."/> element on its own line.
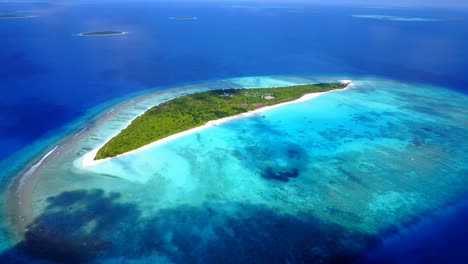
<point x="102" y="33"/>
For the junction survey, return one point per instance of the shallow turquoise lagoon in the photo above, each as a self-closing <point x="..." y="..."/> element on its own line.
<point x="321" y="180"/>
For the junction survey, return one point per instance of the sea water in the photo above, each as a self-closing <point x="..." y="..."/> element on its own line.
<point x="321" y="180"/>
<point x="302" y="184"/>
<point x="48" y="71"/>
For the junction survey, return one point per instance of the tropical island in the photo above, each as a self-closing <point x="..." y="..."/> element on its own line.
<point x="195" y="110"/>
<point x="102" y="33"/>
<point x="395" y="18"/>
<point x="184" y="17"/>
<point x="14" y="16"/>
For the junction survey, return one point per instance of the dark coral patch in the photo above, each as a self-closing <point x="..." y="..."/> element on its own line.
<point x="283" y="175"/>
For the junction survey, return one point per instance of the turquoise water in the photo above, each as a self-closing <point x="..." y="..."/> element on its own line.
<point x="320" y="180"/>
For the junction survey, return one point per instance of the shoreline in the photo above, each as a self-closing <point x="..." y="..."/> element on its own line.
<point x="88" y="160"/>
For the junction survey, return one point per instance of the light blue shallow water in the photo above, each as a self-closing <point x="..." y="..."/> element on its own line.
<point x="319" y="180"/>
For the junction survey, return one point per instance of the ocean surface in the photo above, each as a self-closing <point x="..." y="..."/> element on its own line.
<point x="49" y="76"/>
<point x="373" y="173"/>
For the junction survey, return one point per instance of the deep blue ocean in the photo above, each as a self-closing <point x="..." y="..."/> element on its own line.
<point x="51" y="77"/>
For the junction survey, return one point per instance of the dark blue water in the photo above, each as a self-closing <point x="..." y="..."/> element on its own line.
<point x="49" y="76"/>
<point x="442" y="238"/>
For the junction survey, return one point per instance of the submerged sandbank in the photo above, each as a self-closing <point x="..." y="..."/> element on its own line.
<point x="89" y="158"/>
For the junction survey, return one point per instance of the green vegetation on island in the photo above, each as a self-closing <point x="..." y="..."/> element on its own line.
<point x="102" y="33"/>
<point x="194" y="110"/>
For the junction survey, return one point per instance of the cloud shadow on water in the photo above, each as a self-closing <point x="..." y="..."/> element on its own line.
<point x="91" y="226"/>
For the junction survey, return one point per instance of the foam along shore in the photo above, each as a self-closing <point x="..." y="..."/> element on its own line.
<point x="88" y="159"/>
<point x="31" y="170"/>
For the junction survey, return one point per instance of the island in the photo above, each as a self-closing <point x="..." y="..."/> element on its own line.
<point x="395" y="18"/>
<point x="14" y="16"/>
<point x="102" y="33"/>
<point x="184" y="17"/>
<point x="197" y="109"/>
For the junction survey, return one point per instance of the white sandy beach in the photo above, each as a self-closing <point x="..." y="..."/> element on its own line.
<point x="88" y="158"/>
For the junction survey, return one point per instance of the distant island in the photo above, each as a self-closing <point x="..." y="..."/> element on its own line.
<point x="14" y="16"/>
<point x="183" y="17"/>
<point x="198" y="109"/>
<point x="102" y="33"/>
<point x="396" y="18"/>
